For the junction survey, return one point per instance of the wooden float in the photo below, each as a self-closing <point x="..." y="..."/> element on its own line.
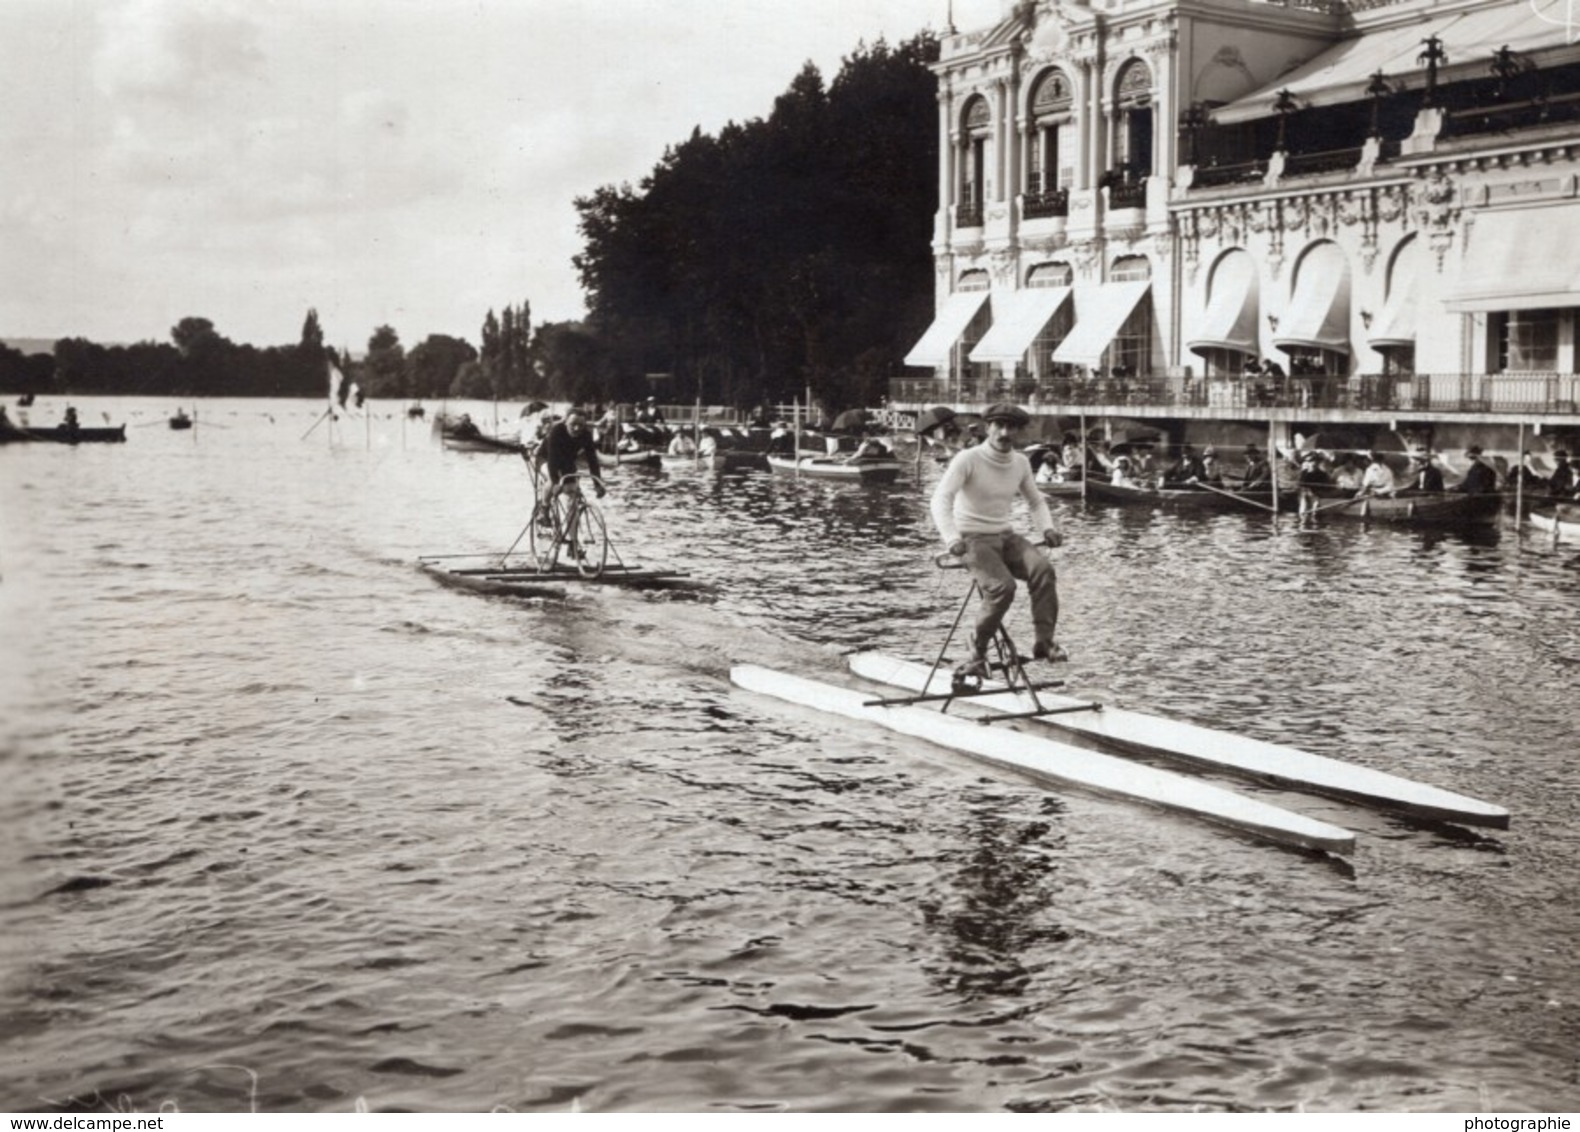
<point x="1056" y="763"/>
<point x="1202" y="747"/>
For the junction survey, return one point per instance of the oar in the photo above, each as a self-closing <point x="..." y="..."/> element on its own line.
<point x="1236" y="495"/>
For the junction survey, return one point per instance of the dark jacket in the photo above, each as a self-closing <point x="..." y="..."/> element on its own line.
<point x="561" y="450"/>
<point x="1479" y="480"/>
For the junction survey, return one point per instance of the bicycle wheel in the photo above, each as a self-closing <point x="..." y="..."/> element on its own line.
<point x="590" y="541"/>
<point x="546" y="532"/>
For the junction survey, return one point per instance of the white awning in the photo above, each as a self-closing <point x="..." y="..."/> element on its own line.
<point x="1343" y="72"/>
<point x="1099" y="313"/>
<point x="1319" y="314"/>
<point x="953" y="318"/>
<point x="1519" y="259"/>
<point x="1230" y="320"/>
<point x="1396" y="325"/>
<point x="1018" y="317"/>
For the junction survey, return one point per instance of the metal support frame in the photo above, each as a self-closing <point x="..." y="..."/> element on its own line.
<point x="1007" y="660"/>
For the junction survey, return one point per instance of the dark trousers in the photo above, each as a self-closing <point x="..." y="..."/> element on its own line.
<point x="995" y="561"/>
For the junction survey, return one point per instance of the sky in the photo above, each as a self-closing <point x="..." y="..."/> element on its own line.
<point x="404" y="162"/>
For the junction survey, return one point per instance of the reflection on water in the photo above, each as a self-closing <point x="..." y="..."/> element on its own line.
<point x="288" y="826"/>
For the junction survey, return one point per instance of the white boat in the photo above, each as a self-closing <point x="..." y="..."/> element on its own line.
<point x="1133" y="732"/>
<point x="838" y="468"/>
<point x="1560" y="522"/>
<point x="1058" y="763"/>
<point x="725" y="460"/>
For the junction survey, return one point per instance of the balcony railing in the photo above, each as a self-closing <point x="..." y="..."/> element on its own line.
<point x="968" y="216"/>
<point x="1547" y="394"/>
<point x="1131" y="195"/>
<point x="1239" y="173"/>
<point x="1326" y="161"/>
<point x="1528" y="114"/>
<point x="1054" y="202"/>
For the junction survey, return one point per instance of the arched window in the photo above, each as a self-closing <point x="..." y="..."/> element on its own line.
<point x="1130" y="269"/>
<point x="1133" y="123"/>
<point x="1050" y="160"/>
<point x="1050" y="275"/>
<point x="975" y="137"/>
<point x="1392" y="331"/>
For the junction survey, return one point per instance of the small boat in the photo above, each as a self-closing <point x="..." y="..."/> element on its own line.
<point x="838" y="468"/>
<point x="415" y="412"/>
<point x="1415" y="508"/>
<point x="461" y="434"/>
<point x="180" y="421"/>
<point x="1560" y="521"/>
<point x="1130" y="732"/>
<point x="62" y="434"/>
<point x="1182" y="495"/>
<point x="721" y="460"/>
<point x="1057" y="763"/>
<point x="524" y="579"/>
<point x="638" y="458"/>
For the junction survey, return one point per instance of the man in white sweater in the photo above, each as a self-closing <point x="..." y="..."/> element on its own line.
<point x="971" y="509"/>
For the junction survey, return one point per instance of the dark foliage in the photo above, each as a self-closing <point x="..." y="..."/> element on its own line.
<point x="782" y="254"/>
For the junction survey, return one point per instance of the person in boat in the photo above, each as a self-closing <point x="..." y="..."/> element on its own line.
<point x="568" y="441"/>
<point x="872" y="448"/>
<point x="1424" y="474"/>
<point x="1480" y="478"/>
<point x="1211" y="471"/>
<point x="682" y="445"/>
<point x="1257" y="472"/>
<point x="781" y="441"/>
<point x="1378" y="478"/>
<point x="70" y="423"/>
<point x="1562" y="482"/>
<point x="1310" y="479"/>
<point x="1526" y="478"/>
<point x="1190" y="469"/>
<point x="1346" y="475"/>
<point x="1122" y="473"/>
<point x="971" y="509"/>
<point x="649" y="414"/>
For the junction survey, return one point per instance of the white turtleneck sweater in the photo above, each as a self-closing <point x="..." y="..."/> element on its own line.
<point x="975" y="493"/>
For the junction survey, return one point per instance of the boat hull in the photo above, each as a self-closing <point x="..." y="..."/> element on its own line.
<point x="1416" y="509"/>
<point x="837" y="469"/>
<point x="1204" y="748"/>
<point x="1197" y="498"/>
<point x="62" y="435"/>
<point x="529" y="582"/>
<point x="1561" y="522"/>
<point x="1056" y="763"/>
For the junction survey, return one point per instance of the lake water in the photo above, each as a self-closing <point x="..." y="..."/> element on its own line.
<point x="288" y="826"/>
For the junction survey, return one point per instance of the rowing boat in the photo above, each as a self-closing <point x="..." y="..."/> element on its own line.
<point x="1181" y="495"/>
<point x="1133" y="732"/>
<point x="1561" y="521"/>
<point x="62" y="434"/>
<point x="838" y="468"/>
<point x="1058" y="763"/>
<point x="1416" y="508"/>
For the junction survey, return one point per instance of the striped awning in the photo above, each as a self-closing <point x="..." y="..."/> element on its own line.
<point x="1099" y="313"/>
<point x="953" y="318"/>
<point x="1018" y="317"/>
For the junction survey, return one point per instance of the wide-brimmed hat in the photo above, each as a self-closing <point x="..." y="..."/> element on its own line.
<point x="1004" y="411"/>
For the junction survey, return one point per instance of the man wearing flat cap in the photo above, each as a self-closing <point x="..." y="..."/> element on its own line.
<point x="971" y="509"/>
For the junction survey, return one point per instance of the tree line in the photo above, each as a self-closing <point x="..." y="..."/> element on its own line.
<point x="784" y="254"/>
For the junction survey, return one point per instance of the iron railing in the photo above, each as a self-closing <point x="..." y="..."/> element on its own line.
<point x="1054" y="202"/>
<point x="1548" y="394"/>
